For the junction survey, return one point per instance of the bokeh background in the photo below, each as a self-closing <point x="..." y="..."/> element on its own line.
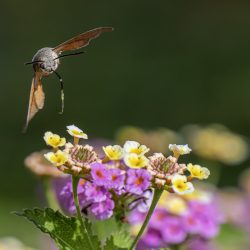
<point x="167" y="64"/>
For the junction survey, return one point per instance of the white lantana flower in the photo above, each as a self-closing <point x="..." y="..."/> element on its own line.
<point x="179" y="149"/>
<point x="135" y="161"/>
<point x="135" y="147"/>
<point x="198" y="172"/>
<point x="54" y="140"/>
<point x="76" y="132"/>
<point x="113" y="152"/>
<point x="58" y="158"/>
<point x="180" y="184"/>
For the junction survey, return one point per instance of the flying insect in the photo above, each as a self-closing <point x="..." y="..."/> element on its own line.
<point x="46" y="61"/>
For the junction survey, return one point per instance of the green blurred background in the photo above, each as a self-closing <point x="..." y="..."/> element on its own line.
<point x="168" y="63"/>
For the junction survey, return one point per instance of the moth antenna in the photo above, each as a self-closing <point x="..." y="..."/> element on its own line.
<point x="28" y="63"/>
<point x="72" y="54"/>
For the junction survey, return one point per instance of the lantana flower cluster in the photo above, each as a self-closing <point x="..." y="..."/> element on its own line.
<point x="179" y="219"/>
<point x="118" y="181"/>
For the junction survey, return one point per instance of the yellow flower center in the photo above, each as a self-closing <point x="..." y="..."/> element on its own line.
<point x="181" y="185"/>
<point x="113" y="152"/>
<point x="76" y="132"/>
<point x="58" y="158"/>
<point x="54" y="140"/>
<point x="196" y="171"/>
<point x="136" y="150"/>
<point x="136" y="161"/>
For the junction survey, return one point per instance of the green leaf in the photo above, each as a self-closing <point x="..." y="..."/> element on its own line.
<point x="104" y="228"/>
<point x="66" y="231"/>
<point x="111" y="246"/>
<point x="122" y="238"/>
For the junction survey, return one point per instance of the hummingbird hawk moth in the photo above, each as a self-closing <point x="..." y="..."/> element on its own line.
<point x="46" y="62"/>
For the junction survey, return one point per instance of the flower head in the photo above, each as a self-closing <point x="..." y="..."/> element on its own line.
<point x="168" y="226"/>
<point x="163" y="169"/>
<point x="40" y="166"/>
<point x="113" y="152"/>
<point x="58" y="158"/>
<point x="54" y="140"/>
<point x="180" y="184"/>
<point x="179" y="149"/>
<point x="80" y="157"/>
<point x="76" y="132"/>
<point x="138" y="181"/>
<point x="135" y="161"/>
<point x="135" y="147"/>
<point x="196" y="171"/>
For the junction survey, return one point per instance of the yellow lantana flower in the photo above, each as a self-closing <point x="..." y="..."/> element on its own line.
<point x="198" y="172"/>
<point x="176" y="205"/>
<point x="58" y="158"/>
<point x="113" y="152"/>
<point x="135" y="161"/>
<point x="54" y="140"/>
<point x="180" y="184"/>
<point x="135" y="147"/>
<point x="173" y="203"/>
<point x="76" y="132"/>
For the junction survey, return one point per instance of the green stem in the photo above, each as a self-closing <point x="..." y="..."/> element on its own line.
<point x="156" y="197"/>
<point x="75" y="181"/>
<point x="50" y="194"/>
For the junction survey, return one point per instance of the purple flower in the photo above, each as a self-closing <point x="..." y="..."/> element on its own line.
<point x="147" y="200"/>
<point x="138" y="180"/>
<point x="158" y="218"/>
<point x="153" y="238"/>
<point x="95" y="193"/>
<point x="99" y="174"/>
<point x="203" y="219"/>
<point x="116" y="179"/>
<point x="209" y="228"/>
<point x="200" y="244"/>
<point x="191" y="223"/>
<point x="102" y="210"/>
<point x="173" y="231"/>
<point x="199" y="224"/>
<point x="66" y="199"/>
<point x="136" y="217"/>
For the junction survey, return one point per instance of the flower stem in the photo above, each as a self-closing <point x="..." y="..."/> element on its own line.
<point x="75" y="181"/>
<point x="50" y="194"/>
<point x="156" y="197"/>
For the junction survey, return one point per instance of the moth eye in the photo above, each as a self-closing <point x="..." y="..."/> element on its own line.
<point x="42" y="65"/>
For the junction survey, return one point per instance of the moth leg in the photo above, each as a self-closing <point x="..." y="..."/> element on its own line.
<point x="62" y="91"/>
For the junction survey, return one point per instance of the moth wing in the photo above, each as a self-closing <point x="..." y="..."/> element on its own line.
<point x="81" y="40"/>
<point x="37" y="97"/>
